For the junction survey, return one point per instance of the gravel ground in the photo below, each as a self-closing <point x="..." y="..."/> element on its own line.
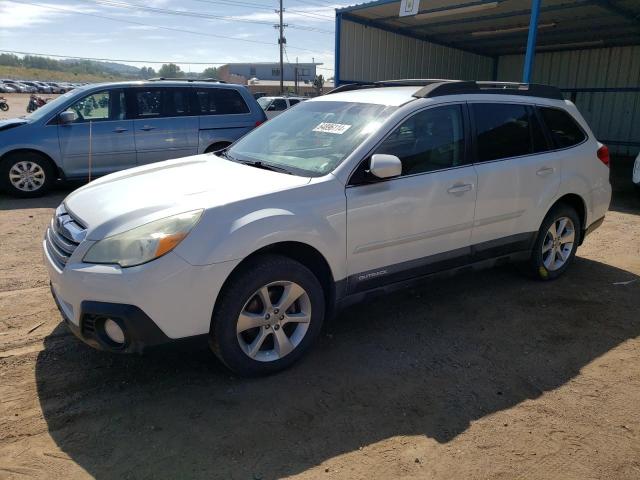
<point x="486" y="375"/>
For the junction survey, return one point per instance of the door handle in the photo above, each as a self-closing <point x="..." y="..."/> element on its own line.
<point x="464" y="187"/>
<point x="120" y="130"/>
<point x="545" y="171"/>
<point x="146" y="128"/>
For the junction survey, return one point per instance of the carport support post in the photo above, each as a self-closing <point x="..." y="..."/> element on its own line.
<point x="531" y="41"/>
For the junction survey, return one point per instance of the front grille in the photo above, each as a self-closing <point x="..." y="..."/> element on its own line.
<point x="63" y="236"/>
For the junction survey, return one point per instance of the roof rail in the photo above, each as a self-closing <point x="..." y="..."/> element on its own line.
<point x="184" y="79"/>
<point x="433" y="87"/>
<point x="456" y="87"/>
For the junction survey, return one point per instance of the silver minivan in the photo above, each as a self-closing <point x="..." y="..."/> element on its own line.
<point x="102" y="128"/>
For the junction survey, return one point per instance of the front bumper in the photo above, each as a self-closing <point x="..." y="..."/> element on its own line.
<point x="140" y="332"/>
<point x="163" y="300"/>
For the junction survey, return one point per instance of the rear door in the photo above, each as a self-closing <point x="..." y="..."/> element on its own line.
<point x="224" y="115"/>
<point x="518" y="176"/>
<point x="101" y="139"/>
<point x="164" y="122"/>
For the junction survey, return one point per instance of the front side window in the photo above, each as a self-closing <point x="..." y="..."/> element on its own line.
<point x="313" y="138"/>
<point x="93" y="107"/>
<point x="429" y="140"/>
<point x="564" y="129"/>
<point x="502" y="130"/>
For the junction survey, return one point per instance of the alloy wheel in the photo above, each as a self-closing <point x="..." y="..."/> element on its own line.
<point x="558" y="243"/>
<point x="274" y="321"/>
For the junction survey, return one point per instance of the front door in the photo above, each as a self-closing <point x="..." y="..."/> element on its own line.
<point x="166" y="123"/>
<point x="419" y="222"/>
<point x="101" y="139"/>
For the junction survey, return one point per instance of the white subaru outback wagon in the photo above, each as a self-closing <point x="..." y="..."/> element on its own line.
<point x="346" y="196"/>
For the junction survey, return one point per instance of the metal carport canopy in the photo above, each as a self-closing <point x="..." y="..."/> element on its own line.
<point x="501" y="27"/>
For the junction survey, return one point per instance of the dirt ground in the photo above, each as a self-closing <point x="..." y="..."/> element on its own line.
<point x="486" y="375"/>
<point x="18" y="104"/>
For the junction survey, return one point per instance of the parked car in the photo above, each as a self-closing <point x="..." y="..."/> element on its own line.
<point x="39" y="86"/>
<point x="274" y="106"/>
<point x="20" y="87"/>
<point x="129" y="124"/>
<point x="57" y="87"/>
<point x="339" y="199"/>
<point x="6" y="88"/>
<point x="636" y="172"/>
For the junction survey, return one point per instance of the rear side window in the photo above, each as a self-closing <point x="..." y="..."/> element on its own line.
<point x="218" y="101"/>
<point x="278" y="105"/>
<point x="162" y="102"/>
<point x="293" y="101"/>
<point x="564" y="130"/>
<point x="502" y="130"/>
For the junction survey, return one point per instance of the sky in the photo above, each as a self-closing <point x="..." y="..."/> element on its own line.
<point x="210" y="31"/>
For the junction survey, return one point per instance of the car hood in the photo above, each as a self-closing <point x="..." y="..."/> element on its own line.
<point x="11" y="123"/>
<point x="124" y="200"/>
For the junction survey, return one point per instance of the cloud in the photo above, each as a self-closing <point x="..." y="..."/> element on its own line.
<point x="20" y="15"/>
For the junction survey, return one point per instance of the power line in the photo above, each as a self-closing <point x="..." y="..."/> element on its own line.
<point x="128" y="60"/>
<point x="111" y="59"/>
<point x="161" y="27"/>
<point x="187" y="13"/>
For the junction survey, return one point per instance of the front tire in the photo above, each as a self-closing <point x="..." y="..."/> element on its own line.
<point x="26" y="174"/>
<point x="269" y="315"/>
<point x="556" y="243"/>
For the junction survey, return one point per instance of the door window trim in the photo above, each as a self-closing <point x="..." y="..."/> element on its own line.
<point x="466" y="128"/>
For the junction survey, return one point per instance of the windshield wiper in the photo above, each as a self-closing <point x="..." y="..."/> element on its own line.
<point x="264" y="166"/>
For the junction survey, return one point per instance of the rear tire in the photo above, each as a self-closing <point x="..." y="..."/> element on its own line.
<point x="556" y="243"/>
<point x="26" y="174"/>
<point x="269" y="315"/>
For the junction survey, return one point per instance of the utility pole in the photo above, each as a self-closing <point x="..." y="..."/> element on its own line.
<point x="281" y="43"/>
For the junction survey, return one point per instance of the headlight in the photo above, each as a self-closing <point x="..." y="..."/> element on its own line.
<point x="145" y="243"/>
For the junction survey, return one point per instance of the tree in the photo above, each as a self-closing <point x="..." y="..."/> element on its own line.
<point x="318" y="83"/>
<point x="147" y="72"/>
<point x="170" y="70"/>
<point x="210" y="72"/>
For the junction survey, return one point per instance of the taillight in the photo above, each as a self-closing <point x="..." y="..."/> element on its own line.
<point x="603" y="154"/>
<point x="259" y="122"/>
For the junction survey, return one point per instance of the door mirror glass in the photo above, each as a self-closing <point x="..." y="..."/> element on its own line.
<point x="385" y="166"/>
<point x="68" y="117"/>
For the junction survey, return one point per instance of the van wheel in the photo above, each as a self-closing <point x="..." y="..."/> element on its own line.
<point x="556" y="243"/>
<point x="270" y="314"/>
<point x="26" y="174"/>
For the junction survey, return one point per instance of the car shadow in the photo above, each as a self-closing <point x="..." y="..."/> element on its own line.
<point x="427" y="361"/>
<point x="50" y="200"/>
<point x="625" y="195"/>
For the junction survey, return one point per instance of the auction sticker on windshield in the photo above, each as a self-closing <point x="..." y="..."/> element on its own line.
<point x="337" y="128"/>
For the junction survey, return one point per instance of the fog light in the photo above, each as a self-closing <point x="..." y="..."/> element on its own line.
<point x="113" y="331"/>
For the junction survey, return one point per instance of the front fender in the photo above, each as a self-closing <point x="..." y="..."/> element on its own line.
<point x="314" y="214"/>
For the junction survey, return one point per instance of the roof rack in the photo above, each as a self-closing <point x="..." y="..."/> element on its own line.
<point x="183" y="79"/>
<point x="439" y="87"/>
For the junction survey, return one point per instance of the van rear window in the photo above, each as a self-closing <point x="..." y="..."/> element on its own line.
<point x="219" y="101"/>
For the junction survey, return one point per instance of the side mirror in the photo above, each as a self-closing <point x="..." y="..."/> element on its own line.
<point x="385" y="166"/>
<point x="67" y="117"/>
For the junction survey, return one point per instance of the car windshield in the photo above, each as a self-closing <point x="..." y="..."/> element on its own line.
<point x="264" y="102"/>
<point x="313" y="138"/>
<point x="50" y="106"/>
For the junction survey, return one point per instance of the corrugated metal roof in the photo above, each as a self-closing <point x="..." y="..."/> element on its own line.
<point x="499" y="27"/>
